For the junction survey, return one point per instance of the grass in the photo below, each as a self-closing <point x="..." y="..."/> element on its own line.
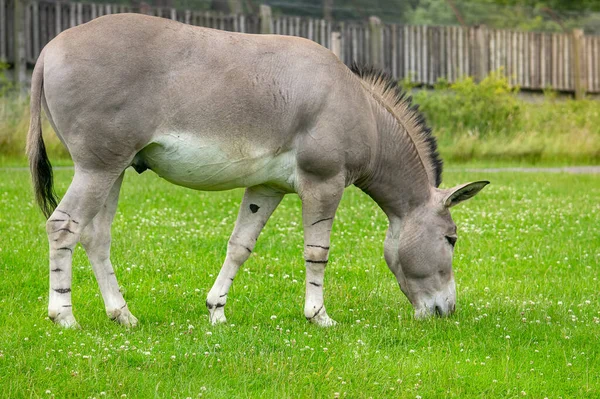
<point x="527" y="265"/>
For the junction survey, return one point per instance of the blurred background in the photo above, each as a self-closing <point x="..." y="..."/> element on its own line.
<point x="551" y="15"/>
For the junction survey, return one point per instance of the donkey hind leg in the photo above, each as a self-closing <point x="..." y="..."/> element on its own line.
<point x="83" y="200"/>
<point x="96" y="241"/>
<point x="257" y="206"/>
<point x="319" y="204"/>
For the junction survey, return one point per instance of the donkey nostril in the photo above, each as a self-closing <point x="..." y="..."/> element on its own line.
<point x="438" y="310"/>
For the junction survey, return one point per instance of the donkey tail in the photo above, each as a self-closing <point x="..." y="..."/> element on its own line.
<point x="39" y="164"/>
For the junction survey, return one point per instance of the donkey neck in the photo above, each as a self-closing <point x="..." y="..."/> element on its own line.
<point x="397" y="180"/>
<point x="406" y="164"/>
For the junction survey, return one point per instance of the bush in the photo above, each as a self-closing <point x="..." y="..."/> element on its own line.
<point x="488" y="121"/>
<point x="6" y="86"/>
<point x="488" y="107"/>
<point x="14" y="124"/>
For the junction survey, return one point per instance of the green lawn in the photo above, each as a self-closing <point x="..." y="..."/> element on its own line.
<point x="527" y="264"/>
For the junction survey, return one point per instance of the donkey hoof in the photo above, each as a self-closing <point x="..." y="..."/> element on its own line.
<point x="127" y="319"/>
<point x="123" y="317"/>
<point x="323" y="320"/>
<point x="217" y="317"/>
<point x="65" y="321"/>
<point x="70" y="323"/>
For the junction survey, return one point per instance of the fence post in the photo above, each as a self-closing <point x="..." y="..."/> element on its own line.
<point x="376" y="42"/>
<point x="483" y="52"/>
<point x="58" y="22"/>
<point x="265" y="19"/>
<point x="36" y="28"/>
<point x="20" y="46"/>
<point x="336" y="44"/>
<point x="3" y="33"/>
<point x="579" y="74"/>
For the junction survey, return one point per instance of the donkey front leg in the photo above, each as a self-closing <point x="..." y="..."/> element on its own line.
<point x="81" y="203"/>
<point x="319" y="204"/>
<point x="96" y="241"/>
<point x="257" y="206"/>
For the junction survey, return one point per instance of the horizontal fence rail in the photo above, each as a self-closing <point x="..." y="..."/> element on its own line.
<point x="425" y="54"/>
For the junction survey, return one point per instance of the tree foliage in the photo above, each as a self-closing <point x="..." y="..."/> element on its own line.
<point x="549" y="15"/>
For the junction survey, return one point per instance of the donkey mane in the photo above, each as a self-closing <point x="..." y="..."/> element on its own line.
<point x="390" y="95"/>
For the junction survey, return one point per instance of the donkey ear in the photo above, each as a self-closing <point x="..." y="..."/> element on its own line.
<point x="454" y="196"/>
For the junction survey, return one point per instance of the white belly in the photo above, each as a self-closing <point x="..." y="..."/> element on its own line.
<point x="208" y="164"/>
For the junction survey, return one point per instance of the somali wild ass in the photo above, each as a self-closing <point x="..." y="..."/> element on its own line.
<point x="214" y="110"/>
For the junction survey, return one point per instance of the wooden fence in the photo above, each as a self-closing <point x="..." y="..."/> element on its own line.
<point x="563" y="61"/>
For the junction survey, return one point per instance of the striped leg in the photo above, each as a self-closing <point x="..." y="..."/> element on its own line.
<point x="257" y="206"/>
<point x="83" y="200"/>
<point x="319" y="203"/>
<point x="96" y="241"/>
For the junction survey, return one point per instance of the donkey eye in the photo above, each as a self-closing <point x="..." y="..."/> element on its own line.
<point x="451" y="240"/>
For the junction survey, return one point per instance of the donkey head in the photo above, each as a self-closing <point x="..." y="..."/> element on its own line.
<point x="418" y="250"/>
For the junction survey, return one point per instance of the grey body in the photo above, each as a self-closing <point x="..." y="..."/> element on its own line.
<point x="214" y="110"/>
<point x="151" y="77"/>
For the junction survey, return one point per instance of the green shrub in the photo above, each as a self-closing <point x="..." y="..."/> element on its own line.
<point x="489" y="121"/>
<point x="488" y="107"/>
<point x="14" y="124"/>
<point x="6" y="85"/>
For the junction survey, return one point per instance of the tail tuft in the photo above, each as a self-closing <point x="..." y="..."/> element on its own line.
<point x="42" y="176"/>
<point x="39" y="164"/>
